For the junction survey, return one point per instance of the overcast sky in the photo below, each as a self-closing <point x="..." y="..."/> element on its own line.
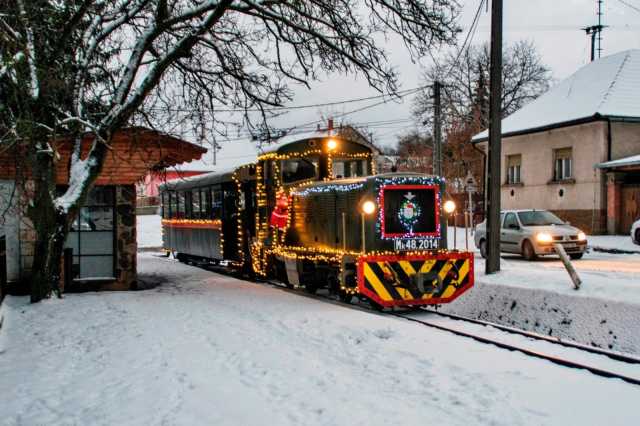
<point x="553" y="25"/>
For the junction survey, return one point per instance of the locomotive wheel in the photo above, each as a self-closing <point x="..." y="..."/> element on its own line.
<point x="344" y="296"/>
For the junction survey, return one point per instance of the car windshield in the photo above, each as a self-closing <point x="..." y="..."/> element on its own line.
<point x="539" y="218"/>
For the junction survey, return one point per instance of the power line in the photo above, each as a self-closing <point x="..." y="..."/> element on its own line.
<point x="399" y="94"/>
<point x="468" y="38"/>
<point x="636" y="8"/>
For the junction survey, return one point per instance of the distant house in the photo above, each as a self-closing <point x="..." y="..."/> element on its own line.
<point x="576" y="149"/>
<point x="103" y="238"/>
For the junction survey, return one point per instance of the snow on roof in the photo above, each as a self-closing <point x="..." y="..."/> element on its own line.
<point x="607" y="87"/>
<point x="229" y="155"/>
<point x="634" y="160"/>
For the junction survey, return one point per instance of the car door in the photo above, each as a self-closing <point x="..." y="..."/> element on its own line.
<point x="510" y="234"/>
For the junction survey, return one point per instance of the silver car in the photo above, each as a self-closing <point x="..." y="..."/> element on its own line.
<point x="532" y="233"/>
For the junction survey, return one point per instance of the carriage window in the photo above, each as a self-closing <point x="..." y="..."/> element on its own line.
<point x="188" y="213"/>
<point x="298" y="169"/>
<point x="173" y="205"/>
<point x="180" y="212"/>
<point x="205" y="206"/>
<point x="216" y="203"/>
<point x="195" y="204"/>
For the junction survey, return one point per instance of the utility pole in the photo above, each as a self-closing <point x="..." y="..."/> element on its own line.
<point x="437" y="152"/>
<point x="437" y="129"/>
<point x="495" y="143"/>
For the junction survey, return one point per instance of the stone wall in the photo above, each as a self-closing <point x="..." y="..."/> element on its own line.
<point x="126" y="240"/>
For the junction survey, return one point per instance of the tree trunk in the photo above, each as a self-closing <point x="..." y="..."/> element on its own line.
<point x="50" y="223"/>
<point x="50" y="239"/>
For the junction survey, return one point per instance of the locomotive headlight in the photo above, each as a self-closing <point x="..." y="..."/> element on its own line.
<point x="368" y="207"/>
<point x="332" y="144"/>
<point x="449" y="207"/>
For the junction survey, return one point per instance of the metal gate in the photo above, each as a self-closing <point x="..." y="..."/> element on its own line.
<point x="630" y="208"/>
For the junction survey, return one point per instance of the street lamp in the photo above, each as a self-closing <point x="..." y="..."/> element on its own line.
<point x="449" y="208"/>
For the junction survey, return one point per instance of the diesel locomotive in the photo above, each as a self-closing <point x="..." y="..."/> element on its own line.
<point x="312" y="213"/>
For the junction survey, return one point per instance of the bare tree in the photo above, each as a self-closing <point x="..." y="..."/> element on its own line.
<point x="97" y="65"/>
<point x="465" y="97"/>
<point x="415" y="153"/>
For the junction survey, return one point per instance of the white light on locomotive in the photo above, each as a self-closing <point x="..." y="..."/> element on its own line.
<point x="368" y="207"/>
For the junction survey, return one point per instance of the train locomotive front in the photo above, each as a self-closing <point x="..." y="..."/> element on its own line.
<point x="311" y="213"/>
<point x="381" y="235"/>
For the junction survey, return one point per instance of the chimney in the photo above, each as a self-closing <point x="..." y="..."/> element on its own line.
<point x="330" y="125"/>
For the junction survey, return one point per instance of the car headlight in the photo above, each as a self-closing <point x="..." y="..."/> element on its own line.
<point x="543" y="237"/>
<point x="582" y="236"/>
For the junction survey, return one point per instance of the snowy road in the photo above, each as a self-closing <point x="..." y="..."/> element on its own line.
<point x="206" y="349"/>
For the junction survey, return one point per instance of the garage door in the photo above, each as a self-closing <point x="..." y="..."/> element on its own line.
<point x="630" y="207"/>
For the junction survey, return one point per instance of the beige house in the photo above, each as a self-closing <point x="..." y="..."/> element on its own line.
<point x="576" y="149"/>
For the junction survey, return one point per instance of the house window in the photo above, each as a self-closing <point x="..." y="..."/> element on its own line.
<point x="563" y="167"/>
<point x="92" y="236"/>
<point x="514" y="166"/>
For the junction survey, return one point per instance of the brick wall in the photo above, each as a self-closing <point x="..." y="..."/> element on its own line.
<point x="592" y="222"/>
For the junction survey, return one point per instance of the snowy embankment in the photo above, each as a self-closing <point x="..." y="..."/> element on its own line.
<point x="539" y="296"/>
<point x="208" y="349"/>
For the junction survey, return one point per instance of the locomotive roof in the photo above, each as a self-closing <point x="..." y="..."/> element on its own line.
<point x="275" y="147"/>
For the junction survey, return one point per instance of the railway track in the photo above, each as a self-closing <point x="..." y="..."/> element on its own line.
<point x="409" y="315"/>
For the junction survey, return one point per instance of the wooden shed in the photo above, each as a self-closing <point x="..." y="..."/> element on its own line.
<point x="103" y="238"/>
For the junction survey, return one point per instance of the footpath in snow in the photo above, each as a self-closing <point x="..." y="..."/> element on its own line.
<point x="202" y="348"/>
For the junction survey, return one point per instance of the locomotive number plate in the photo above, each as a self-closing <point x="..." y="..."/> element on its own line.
<point x="415" y="244"/>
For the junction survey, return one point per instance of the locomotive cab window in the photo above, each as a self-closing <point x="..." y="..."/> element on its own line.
<point x="297" y="169"/>
<point x="346" y="168"/>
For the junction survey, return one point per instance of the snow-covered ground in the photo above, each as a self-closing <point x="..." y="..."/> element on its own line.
<point x="539" y="296"/>
<point x="149" y="231"/>
<point x="613" y="242"/>
<point x="208" y="349"/>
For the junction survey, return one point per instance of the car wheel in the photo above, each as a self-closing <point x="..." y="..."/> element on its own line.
<point x="638" y="236"/>
<point x="576" y="256"/>
<point x="483" y="249"/>
<point x="528" y="252"/>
